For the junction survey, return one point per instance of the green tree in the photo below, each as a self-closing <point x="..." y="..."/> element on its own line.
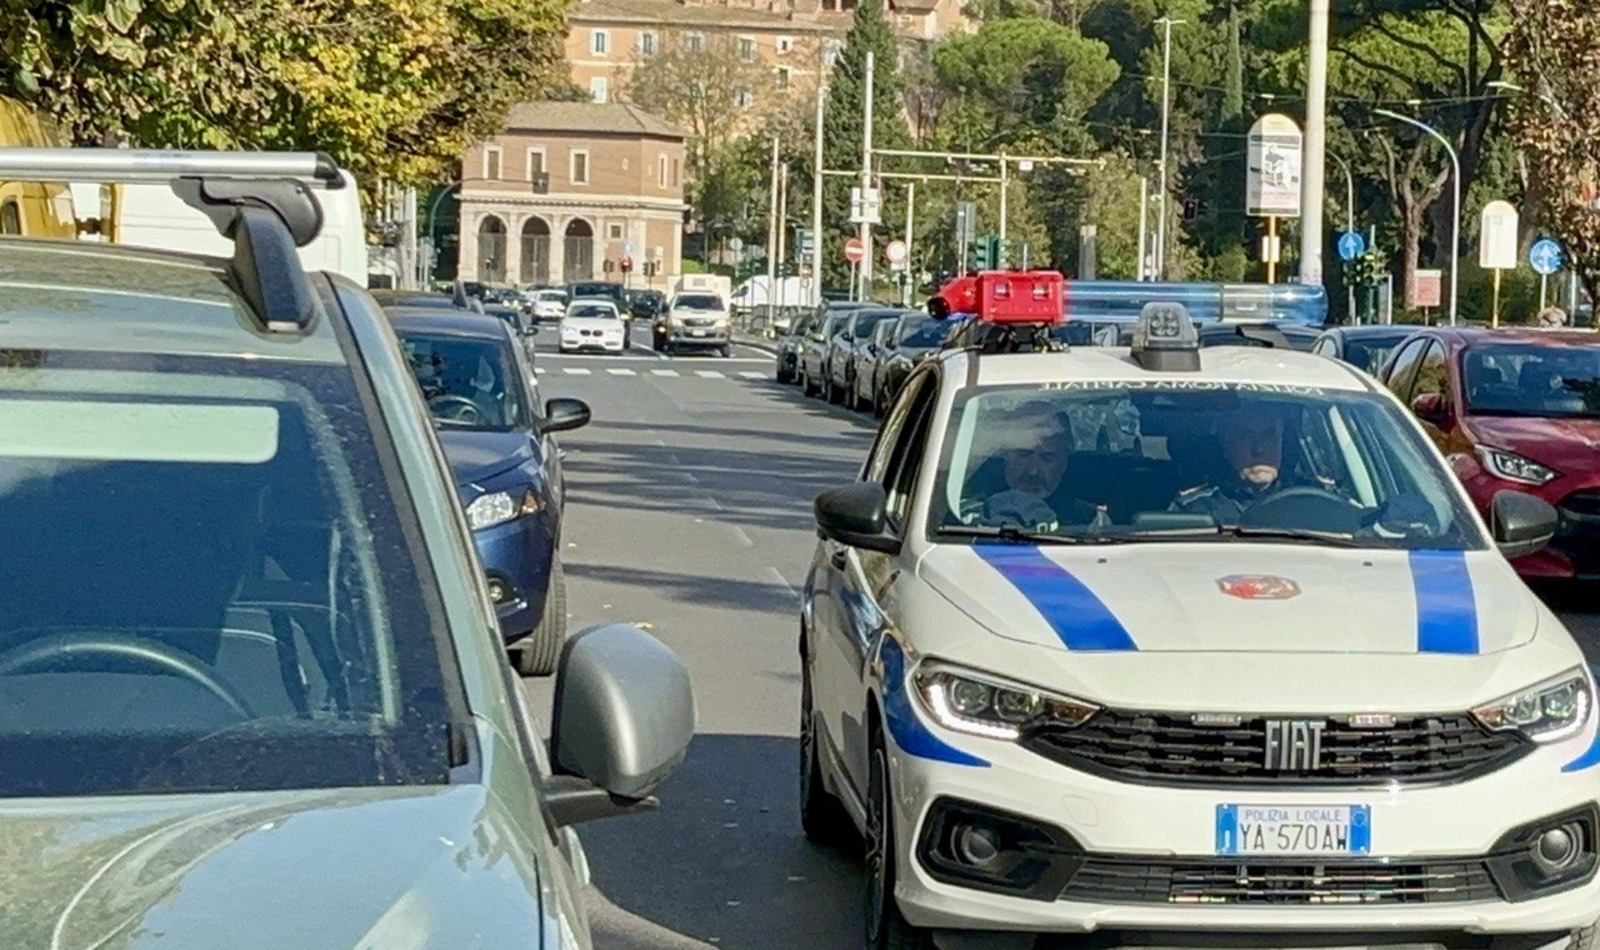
<point x="843" y="126"/>
<point x="1554" y="46"/>
<point x="393" y="89"/>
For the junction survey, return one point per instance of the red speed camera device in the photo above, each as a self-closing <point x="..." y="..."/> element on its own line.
<point x="1029" y="296"/>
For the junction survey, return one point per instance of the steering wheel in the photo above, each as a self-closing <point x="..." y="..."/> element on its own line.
<point x="1304" y="505"/>
<point x="81" y="649"/>
<point x="457" y="409"/>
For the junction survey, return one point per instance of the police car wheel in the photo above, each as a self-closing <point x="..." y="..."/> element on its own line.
<point x="887" y="928"/>
<point x="822" y="816"/>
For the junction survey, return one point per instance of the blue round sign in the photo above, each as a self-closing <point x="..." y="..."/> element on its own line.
<point x="1351" y="245"/>
<point x="1545" y="256"/>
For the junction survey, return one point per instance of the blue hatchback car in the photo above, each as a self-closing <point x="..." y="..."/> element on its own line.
<point x="477" y="380"/>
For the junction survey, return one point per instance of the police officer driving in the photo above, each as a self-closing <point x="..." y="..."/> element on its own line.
<point x="1252" y="446"/>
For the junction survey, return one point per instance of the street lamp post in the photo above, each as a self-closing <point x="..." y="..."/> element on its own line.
<point x="1166" y="109"/>
<point x="1455" y="236"/>
<point x="1349" y="224"/>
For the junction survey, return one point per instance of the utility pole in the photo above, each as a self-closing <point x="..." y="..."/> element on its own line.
<point x="911" y="223"/>
<point x="1313" y="174"/>
<point x="1166" y="110"/>
<point x="783" y="227"/>
<point x="865" y="270"/>
<point x="816" y="188"/>
<point x="1005" y="188"/>
<point x="773" y="229"/>
<point x="1349" y="222"/>
<point x="1144" y="223"/>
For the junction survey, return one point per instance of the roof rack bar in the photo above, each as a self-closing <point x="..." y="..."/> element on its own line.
<point x="116" y="165"/>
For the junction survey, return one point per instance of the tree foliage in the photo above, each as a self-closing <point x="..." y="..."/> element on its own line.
<point x="1555" y="50"/>
<point x="394" y="89"/>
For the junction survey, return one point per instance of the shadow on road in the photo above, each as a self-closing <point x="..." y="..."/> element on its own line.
<point x="723" y="860"/>
<point x="692" y="589"/>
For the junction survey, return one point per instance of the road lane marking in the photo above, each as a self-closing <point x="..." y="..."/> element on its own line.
<point x="750" y="374"/>
<point x="663" y="372"/>
<point x="709" y="374"/>
<point x="615" y="371"/>
<point x="576" y="370"/>
<point x="784" y="581"/>
<point x="744" y="539"/>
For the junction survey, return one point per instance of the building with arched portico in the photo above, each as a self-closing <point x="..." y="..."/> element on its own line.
<point x="574" y="191"/>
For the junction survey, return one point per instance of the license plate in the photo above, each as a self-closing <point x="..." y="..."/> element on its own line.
<point x="697" y="332"/>
<point x="1294" y="829"/>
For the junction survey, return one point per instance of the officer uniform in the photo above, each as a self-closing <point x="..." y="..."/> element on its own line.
<point x="1222" y="505"/>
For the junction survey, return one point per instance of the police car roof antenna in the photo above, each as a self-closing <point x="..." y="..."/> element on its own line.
<point x="261" y="201"/>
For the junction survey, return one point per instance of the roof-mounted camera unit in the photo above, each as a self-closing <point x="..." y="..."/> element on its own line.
<point x="1165" y="339"/>
<point x="1011" y="312"/>
<point x="264" y="202"/>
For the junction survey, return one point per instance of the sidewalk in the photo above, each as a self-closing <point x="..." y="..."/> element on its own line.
<point x="764" y="344"/>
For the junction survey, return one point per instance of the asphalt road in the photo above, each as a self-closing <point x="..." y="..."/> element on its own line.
<point x="689" y="514"/>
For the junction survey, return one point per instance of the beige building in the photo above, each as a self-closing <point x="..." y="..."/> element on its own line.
<point x="574" y="191"/>
<point x="606" y="38"/>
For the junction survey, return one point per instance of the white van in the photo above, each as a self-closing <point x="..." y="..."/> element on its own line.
<point x="152" y="216"/>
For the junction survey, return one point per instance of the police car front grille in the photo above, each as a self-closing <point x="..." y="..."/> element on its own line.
<point x="1166" y="749"/>
<point x="1105" y="880"/>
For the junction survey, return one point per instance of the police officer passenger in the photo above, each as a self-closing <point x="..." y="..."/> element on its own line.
<point x="1035" y="445"/>
<point x="1252" y="445"/>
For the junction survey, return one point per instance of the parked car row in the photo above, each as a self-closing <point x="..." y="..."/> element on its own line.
<point x="857" y="354"/>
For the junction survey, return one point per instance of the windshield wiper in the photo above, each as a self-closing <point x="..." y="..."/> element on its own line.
<point x="1304" y="535"/>
<point x="1010" y="533"/>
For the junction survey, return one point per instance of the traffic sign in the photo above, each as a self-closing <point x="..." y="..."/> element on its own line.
<point x="895" y="251"/>
<point x="1497" y="241"/>
<point x="1352" y="245"/>
<point x="1546" y="257"/>
<point x="866" y="206"/>
<point x="854" y="250"/>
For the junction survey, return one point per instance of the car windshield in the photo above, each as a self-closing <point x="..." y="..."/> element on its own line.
<point x="698" y="302"/>
<point x="1517" y="379"/>
<point x="866" y="320"/>
<point x="592" y="310"/>
<point x="596" y="290"/>
<point x="216" y="593"/>
<point x="465" y="380"/>
<point x="1368" y="354"/>
<point x="923" y="331"/>
<point x="1113" y="461"/>
<point x="548" y="296"/>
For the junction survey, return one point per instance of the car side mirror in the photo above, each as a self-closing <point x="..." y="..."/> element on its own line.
<point x="1521" y="523"/>
<point x="857" y="516"/>
<point x="622" y="720"/>
<point x="1430" y="407"/>
<point x="563" y="415"/>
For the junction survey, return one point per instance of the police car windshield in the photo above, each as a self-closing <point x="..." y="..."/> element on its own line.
<point x="1112" y="461"/>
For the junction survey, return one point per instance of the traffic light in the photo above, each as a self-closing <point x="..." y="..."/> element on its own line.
<point x="986" y="252"/>
<point x="1001" y="253"/>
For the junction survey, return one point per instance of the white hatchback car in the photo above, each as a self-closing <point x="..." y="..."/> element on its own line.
<point x="593" y="324"/>
<point x="1161" y="641"/>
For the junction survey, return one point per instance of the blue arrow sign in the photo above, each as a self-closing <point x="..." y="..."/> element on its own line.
<point x="1545" y="256"/>
<point x="1351" y="245"/>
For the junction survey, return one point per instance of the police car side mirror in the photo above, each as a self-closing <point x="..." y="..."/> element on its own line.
<point x="1522" y="524"/>
<point x="857" y="516"/>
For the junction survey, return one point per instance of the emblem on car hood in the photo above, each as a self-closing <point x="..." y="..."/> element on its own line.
<point x="1258" y="587"/>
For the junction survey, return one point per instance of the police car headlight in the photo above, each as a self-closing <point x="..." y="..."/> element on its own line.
<point x="1548" y="712"/>
<point x="1513" y="467"/>
<point x="496" y="508"/>
<point x="981" y="705"/>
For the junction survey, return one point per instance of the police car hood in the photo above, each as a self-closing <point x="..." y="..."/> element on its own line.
<point x="1239" y="597"/>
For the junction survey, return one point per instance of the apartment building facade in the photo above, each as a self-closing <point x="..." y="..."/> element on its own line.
<point x="575" y="191"/>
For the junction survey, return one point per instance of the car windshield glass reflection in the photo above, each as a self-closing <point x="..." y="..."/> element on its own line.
<point x="1369" y="355"/>
<point x="867" y="321"/>
<point x="592" y="310"/>
<point x="923" y="332"/>
<point x="1100" y="462"/>
<point x="215" y="593"/>
<point x="698" y="302"/>
<point x="464" y="381"/>
<point x="1531" y="380"/>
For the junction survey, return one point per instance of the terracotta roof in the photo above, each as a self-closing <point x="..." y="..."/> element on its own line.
<point x="689" y="14"/>
<point x="601" y="118"/>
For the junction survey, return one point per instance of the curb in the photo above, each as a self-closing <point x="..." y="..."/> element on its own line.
<point x="756" y="343"/>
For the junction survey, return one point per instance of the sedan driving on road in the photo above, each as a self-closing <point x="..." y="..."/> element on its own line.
<point x="593" y="324"/>
<point x="1515" y="410"/>
<point x="1261" y="677"/>
<point x="483" y="395"/>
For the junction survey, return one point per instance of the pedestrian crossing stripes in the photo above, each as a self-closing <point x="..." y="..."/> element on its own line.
<point x="549" y="371"/>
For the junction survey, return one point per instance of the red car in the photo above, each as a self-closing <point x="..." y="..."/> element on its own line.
<point x="1515" y="409"/>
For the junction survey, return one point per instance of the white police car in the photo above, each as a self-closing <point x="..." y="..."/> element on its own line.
<point x="1159" y="642"/>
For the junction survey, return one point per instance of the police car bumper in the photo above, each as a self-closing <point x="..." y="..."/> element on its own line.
<point x="1072" y="853"/>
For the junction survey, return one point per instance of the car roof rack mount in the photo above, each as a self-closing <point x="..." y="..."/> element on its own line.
<point x="261" y="201"/>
